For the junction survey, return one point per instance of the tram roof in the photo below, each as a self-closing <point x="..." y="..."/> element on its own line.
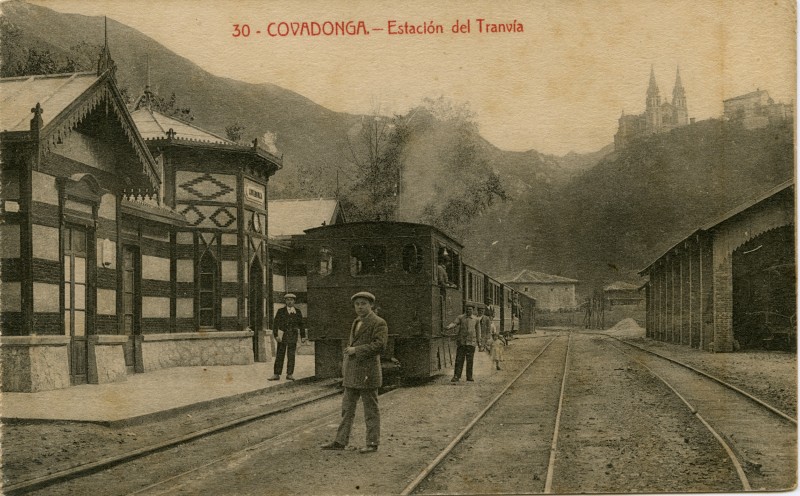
<point x="406" y="225"/>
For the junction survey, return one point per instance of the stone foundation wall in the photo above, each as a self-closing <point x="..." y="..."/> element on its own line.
<point x="189" y="349"/>
<point x="34" y="363"/>
<point x="107" y="359"/>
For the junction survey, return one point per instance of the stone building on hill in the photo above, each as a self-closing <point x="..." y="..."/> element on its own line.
<point x="756" y="110"/>
<point x="658" y="116"/>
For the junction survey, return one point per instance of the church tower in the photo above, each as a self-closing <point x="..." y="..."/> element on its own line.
<point x="679" y="101"/>
<point x="653" y="105"/>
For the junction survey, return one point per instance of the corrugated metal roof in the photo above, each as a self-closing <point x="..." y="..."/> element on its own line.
<point x="293" y="217"/>
<point x="719" y="220"/>
<point x="533" y="277"/>
<point x="53" y="92"/>
<point x="154" y="125"/>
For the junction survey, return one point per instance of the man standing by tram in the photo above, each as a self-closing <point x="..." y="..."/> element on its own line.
<point x="467" y="338"/>
<point x="362" y="373"/>
<point x="288" y="325"/>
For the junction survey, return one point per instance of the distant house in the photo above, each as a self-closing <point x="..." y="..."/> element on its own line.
<point x="756" y="109"/>
<point x="550" y="291"/>
<point x="622" y="293"/>
<point x="288" y="219"/>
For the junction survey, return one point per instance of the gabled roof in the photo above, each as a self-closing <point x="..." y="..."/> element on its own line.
<point x="47" y="108"/>
<point x="293" y="217"/>
<point x="621" y="286"/>
<point x="155" y="125"/>
<point x="53" y="92"/>
<point x="710" y="226"/>
<point x="533" y="277"/>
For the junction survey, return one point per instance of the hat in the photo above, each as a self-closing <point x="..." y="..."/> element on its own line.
<point x="289" y="295"/>
<point x="364" y="294"/>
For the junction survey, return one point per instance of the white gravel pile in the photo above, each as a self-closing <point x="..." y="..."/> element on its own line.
<point x="627" y="328"/>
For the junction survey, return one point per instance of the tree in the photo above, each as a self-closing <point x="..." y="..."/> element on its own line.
<point x="467" y="185"/>
<point x="376" y="150"/>
<point x="235" y="132"/>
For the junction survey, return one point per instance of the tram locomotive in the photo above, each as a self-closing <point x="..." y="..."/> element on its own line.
<point x="421" y="283"/>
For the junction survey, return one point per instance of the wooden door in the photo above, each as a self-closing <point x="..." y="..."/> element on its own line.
<point x="131" y="303"/>
<point x="75" y="299"/>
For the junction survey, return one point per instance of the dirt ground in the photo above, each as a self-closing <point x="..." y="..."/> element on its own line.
<point x="419" y="422"/>
<point x="768" y="375"/>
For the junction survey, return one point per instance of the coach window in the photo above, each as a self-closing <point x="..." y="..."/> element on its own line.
<point x="325" y="261"/>
<point x="412" y="259"/>
<point x="453" y="269"/>
<point x="367" y="260"/>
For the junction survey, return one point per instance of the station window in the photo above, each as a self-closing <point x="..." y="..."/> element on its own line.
<point x="208" y="290"/>
<point x="412" y="259"/>
<point x="367" y="260"/>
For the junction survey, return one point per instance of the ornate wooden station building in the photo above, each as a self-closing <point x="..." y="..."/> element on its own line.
<point x="130" y="241"/>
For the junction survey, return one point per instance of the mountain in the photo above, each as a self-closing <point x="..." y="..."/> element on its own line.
<point x="617" y="216"/>
<point x="312" y="137"/>
<point x="594" y="217"/>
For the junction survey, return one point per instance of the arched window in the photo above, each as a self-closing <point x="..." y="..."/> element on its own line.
<point x="208" y="290"/>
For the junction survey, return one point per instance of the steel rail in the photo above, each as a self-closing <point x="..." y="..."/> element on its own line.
<point x="713" y="378"/>
<point x="738" y="466"/>
<point x="114" y="460"/>
<point x="548" y="483"/>
<point x="216" y="461"/>
<point x="431" y="466"/>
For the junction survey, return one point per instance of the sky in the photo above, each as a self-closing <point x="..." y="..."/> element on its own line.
<point x="560" y="85"/>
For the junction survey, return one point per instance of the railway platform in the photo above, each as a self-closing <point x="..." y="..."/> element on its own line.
<point x="150" y="395"/>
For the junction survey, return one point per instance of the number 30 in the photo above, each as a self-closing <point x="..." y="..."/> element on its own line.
<point x="241" y="30"/>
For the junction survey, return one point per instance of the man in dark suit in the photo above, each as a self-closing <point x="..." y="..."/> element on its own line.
<point x="362" y="373"/>
<point x="288" y="325"/>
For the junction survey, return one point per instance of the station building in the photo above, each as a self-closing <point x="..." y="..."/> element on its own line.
<point x="731" y="283"/>
<point x="130" y="241"/>
<point x="288" y="220"/>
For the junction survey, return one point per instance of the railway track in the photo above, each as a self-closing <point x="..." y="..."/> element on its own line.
<point x="728" y="385"/>
<point x="518" y="425"/>
<point x="117" y="460"/>
<point x="736" y="438"/>
<point x="760" y="440"/>
<point x="547" y="421"/>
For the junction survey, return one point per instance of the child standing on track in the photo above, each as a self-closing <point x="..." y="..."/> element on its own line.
<point x="497" y="349"/>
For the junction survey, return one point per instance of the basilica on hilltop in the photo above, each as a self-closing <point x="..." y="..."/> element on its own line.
<point x="658" y="116"/>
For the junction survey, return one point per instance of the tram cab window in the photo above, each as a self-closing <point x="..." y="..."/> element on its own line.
<point x="325" y="261"/>
<point x="367" y="260"/>
<point x="412" y="259"/>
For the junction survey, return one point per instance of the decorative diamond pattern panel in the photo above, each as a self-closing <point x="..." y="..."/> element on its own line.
<point x="210" y="187"/>
<point x="222" y="217"/>
<point x="209" y="215"/>
<point x="193" y="215"/>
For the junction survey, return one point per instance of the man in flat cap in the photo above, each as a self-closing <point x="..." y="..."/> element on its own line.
<point x="288" y="325"/>
<point x="362" y="373"/>
<point x="467" y="338"/>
